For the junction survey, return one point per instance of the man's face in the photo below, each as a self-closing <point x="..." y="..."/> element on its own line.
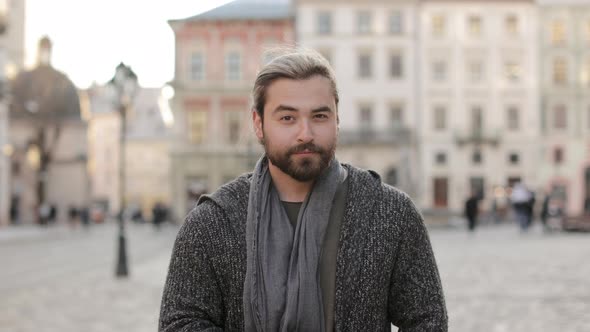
<point x="300" y="128"/>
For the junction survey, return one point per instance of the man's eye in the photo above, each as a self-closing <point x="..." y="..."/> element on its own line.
<point x="287" y="118"/>
<point x="321" y="116"/>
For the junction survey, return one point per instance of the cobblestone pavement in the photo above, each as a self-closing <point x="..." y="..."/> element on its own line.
<point x="495" y="280"/>
<point x="65" y="281"/>
<point x="499" y="280"/>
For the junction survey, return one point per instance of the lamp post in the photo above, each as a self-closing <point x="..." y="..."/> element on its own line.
<point x="4" y="118"/>
<point x="124" y="86"/>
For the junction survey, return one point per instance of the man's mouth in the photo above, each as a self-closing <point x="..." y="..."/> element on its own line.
<point x="305" y="152"/>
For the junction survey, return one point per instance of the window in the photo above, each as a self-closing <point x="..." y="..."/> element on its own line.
<point x="366" y="116"/>
<point x="476" y="120"/>
<point x="365" y="65"/>
<point x="232" y="66"/>
<point x="324" y="22"/>
<point x="559" y="70"/>
<point x="513" y="118"/>
<point x="439" y="71"/>
<point x="440" y="192"/>
<point x="440" y="118"/>
<point x="559" y="117"/>
<point x="513" y="158"/>
<point x="512" y="71"/>
<point x="512" y="180"/>
<point x="364" y="21"/>
<point x="558" y="155"/>
<point x="396" y="114"/>
<point x="474" y="24"/>
<point x="440" y="158"/>
<point x="197" y="126"/>
<point x="585" y="73"/>
<point x="587" y="31"/>
<point x="511" y="25"/>
<point x="477" y="186"/>
<point x="268" y="55"/>
<point x="366" y="121"/>
<point x="557" y="32"/>
<point x="396" y="23"/>
<point x="475" y="70"/>
<point x="197" y="67"/>
<point x="476" y="157"/>
<point x="396" y="70"/>
<point x="233" y="120"/>
<point x="438" y="26"/>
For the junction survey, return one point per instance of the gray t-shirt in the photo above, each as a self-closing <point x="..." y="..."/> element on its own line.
<point x="330" y="248"/>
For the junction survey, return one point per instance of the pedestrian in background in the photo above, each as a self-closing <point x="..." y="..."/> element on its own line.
<point x="530" y="209"/>
<point x="52" y="214"/>
<point x="159" y="213"/>
<point x="73" y="216"/>
<point x="472" y="211"/>
<point x="520" y="199"/>
<point x="304" y="243"/>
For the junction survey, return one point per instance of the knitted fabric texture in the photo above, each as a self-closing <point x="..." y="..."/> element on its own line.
<point x="386" y="272"/>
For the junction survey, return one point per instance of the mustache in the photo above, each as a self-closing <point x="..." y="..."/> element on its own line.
<point x="307" y="146"/>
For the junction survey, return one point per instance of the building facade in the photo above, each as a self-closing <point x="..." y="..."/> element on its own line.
<point x="372" y="47"/>
<point x="147" y="169"/>
<point x="480" y="124"/>
<point x="564" y="46"/>
<point x="12" y="39"/>
<point x="217" y="56"/>
<point x="48" y="142"/>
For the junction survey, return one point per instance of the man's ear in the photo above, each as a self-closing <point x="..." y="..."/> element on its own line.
<point x="257" y="122"/>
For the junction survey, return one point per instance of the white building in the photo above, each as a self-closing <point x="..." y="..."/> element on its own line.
<point x="12" y="40"/>
<point x="480" y="123"/>
<point x="372" y="47"/>
<point x="564" y="45"/>
<point x="147" y="162"/>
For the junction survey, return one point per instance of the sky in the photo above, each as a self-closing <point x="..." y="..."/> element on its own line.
<point x="91" y="37"/>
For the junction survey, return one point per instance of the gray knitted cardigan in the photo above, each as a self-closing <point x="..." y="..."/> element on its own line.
<point x="386" y="272"/>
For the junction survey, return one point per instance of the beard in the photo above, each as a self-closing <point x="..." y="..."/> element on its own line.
<point x="305" y="168"/>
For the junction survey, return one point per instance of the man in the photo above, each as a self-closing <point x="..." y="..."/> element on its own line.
<point x="304" y="243"/>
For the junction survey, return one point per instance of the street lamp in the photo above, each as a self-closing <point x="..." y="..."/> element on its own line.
<point x="4" y="118"/>
<point x="124" y="86"/>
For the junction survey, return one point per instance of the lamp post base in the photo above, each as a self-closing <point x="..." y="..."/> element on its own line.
<point x="122" y="270"/>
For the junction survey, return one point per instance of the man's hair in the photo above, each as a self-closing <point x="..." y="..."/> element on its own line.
<point x="290" y="63"/>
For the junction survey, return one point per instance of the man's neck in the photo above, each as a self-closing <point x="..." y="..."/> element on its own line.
<point x="290" y="190"/>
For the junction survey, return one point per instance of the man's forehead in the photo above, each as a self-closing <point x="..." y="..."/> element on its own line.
<point x="313" y="92"/>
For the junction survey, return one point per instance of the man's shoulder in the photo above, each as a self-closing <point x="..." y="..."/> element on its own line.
<point x="229" y="201"/>
<point x="369" y="180"/>
<point x="229" y="194"/>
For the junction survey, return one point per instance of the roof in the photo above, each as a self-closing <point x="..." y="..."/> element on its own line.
<point x="563" y="2"/>
<point x="44" y="94"/>
<point x="247" y="10"/>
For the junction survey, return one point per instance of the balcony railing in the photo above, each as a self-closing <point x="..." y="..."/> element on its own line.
<point x="478" y="137"/>
<point x="397" y="135"/>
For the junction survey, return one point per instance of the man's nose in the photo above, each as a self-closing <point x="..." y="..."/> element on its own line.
<point x="305" y="134"/>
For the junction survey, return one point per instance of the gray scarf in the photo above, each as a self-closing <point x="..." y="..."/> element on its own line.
<point x="282" y="287"/>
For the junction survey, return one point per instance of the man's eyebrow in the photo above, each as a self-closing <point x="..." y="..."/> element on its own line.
<point x="322" y="109"/>
<point x="294" y="109"/>
<point x="285" y="108"/>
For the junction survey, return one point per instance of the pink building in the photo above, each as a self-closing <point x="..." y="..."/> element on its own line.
<point x="217" y="56"/>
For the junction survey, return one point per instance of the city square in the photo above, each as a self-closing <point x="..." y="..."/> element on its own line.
<point x="496" y="279"/>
